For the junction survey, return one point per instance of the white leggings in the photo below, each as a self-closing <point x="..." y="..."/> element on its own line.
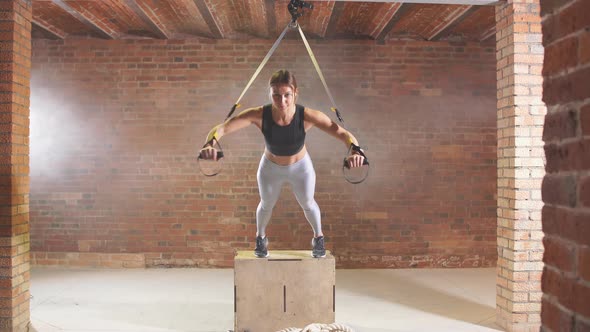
<point x="271" y="178"/>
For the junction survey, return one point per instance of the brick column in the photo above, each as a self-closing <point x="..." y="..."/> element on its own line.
<point x="15" y="68"/>
<point x="566" y="186"/>
<point x="521" y="112"/>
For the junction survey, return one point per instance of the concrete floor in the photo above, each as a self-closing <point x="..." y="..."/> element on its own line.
<point x="151" y="300"/>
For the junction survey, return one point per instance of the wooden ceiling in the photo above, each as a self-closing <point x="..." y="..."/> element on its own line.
<point x="457" y="20"/>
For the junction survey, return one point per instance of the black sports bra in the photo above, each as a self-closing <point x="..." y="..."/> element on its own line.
<point x="283" y="140"/>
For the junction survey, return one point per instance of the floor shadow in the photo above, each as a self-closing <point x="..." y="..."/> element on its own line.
<point x="458" y="300"/>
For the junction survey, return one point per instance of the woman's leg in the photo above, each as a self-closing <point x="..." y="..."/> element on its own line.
<point x="270" y="182"/>
<point x="302" y="179"/>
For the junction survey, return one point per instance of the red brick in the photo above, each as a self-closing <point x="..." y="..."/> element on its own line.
<point x="584" y="263"/>
<point x="13" y="40"/>
<point x="147" y="123"/>
<point x="571" y="156"/>
<point x="560" y="56"/>
<point x="584" y="42"/>
<point x="569" y="292"/>
<point x="554" y="318"/>
<point x="9" y="6"/>
<point x="585" y="120"/>
<point x="559" y="254"/>
<point x="584" y="192"/>
<point x="551" y="281"/>
<point x="553" y="157"/>
<point x="550" y="6"/>
<point x="580" y="298"/>
<point x="576" y="155"/>
<point x="567" y="223"/>
<point x="560" y="125"/>
<point x="567" y="229"/>
<point x="550" y="221"/>
<point x="568" y="88"/>
<point x="571" y="19"/>
<point x="580" y="227"/>
<point x="559" y="189"/>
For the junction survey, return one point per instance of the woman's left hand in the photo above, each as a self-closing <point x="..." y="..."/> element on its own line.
<point x="355" y="160"/>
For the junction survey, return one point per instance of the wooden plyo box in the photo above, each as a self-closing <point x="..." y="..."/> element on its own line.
<point x="287" y="289"/>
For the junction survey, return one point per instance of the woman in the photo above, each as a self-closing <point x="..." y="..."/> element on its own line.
<point x="285" y="160"/>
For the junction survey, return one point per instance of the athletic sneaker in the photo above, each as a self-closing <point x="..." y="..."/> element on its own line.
<point x="261" y="250"/>
<point x="318" y="247"/>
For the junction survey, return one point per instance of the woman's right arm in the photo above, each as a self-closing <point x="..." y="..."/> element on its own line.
<point x="233" y="124"/>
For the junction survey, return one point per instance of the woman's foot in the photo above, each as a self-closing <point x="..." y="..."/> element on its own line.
<point x="318" y="250"/>
<point x="261" y="250"/>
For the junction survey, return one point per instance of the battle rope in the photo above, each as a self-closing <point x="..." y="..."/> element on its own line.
<point x="321" y="328"/>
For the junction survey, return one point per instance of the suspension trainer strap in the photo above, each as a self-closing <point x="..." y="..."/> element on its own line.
<point x="317" y="68"/>
<point x="264" y="61"/>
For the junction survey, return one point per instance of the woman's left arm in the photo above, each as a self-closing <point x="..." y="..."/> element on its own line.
<point x="323" y="122"/>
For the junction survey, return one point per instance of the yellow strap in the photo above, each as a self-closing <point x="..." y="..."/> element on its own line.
<point x="213" y="135"/>
<point x="261" y="65"/>
<point x="317" y="68"/>
<point x="350" y="141"/>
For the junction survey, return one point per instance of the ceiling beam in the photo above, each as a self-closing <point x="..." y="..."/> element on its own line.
<point x="208" y="17"/>
<point x="399" y="13"/>
<point x="161" y="33"/>
<point x="93" y="26"/>
<point x="488" y="34"/>
<point x="58" y="33"/>
<point x="441" y="2"/>
<point x="334" y="16"/>
<point x="271" y="18"/>
<point x="452" y="21"/>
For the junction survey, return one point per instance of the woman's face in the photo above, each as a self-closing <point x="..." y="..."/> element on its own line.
<point x="283" y="96"/>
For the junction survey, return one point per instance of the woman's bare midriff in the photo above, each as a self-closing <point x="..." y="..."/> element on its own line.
<point x="285" y="160"/>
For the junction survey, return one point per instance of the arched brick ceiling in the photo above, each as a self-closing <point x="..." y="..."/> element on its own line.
<point x="457" y="20"/>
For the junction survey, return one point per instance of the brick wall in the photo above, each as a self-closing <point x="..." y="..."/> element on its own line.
<point x="15" y="58"/>
<point x="566" y="187"/>
<point x="520" y="164"/>
<point x="115" y="126"/>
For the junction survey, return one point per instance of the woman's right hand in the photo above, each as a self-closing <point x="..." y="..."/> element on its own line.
<point x="208" y="153"/>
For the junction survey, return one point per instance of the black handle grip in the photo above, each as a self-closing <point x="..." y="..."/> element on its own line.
<point x="365" y="162"/>
<point x="356" y="148"/>
<point x="219" y="155"/>
<point x="210" y="143"/>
